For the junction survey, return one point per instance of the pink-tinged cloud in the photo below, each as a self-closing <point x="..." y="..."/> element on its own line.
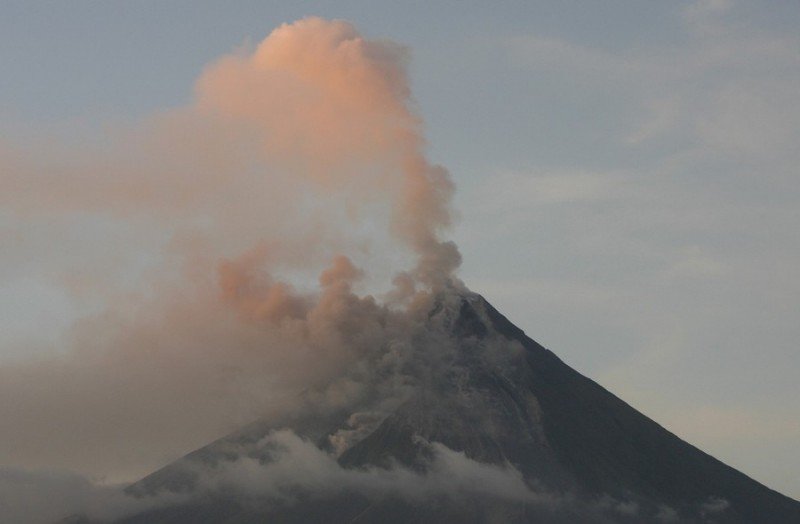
<point x="296" y="138"/>
<point x="302" y="154"/>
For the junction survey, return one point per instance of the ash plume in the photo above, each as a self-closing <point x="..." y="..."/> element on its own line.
<point x="300" y="154"/>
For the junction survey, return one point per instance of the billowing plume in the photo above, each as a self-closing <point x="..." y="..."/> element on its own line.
<point x="297" y="143"/>
<point x="319" y="92"/>
<point x="301" y="155"/>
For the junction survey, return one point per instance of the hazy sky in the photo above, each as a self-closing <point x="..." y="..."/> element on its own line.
<point x="627" y="181"/>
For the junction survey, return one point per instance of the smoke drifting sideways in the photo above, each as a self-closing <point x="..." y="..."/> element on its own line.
<point x="291" y="155"/>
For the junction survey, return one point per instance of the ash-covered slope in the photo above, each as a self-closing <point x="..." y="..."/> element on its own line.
<point x="493" y="427"/>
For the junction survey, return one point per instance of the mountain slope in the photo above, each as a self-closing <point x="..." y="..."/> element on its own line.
<point x="487" y="397"/>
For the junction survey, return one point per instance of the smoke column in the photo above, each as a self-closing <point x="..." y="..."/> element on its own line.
<point x="317" y="91"/>
<point x="300" y="154"/>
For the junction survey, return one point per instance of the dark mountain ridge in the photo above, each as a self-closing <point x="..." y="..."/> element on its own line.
<point x="496" y="397"/>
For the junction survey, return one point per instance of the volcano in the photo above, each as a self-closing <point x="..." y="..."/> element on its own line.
<point x="494" y="428"/>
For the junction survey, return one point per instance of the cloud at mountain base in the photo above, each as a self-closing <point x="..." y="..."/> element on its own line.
<point x="297" y="468"/>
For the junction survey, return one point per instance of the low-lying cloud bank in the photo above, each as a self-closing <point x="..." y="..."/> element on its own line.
<point x="297" y="472"/>
<point x="296" y="468"/>
<point x="298" y="465"/>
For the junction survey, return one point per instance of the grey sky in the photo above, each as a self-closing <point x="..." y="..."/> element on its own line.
<point x="627" y="180"/>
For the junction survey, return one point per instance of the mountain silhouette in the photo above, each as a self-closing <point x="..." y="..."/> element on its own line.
<point x="496" y="429"/>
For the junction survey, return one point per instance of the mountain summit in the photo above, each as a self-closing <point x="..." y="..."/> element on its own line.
<point x="490" y="427"/>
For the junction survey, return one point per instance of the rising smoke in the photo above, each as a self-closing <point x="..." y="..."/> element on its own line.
<point x="302" y="154"/>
